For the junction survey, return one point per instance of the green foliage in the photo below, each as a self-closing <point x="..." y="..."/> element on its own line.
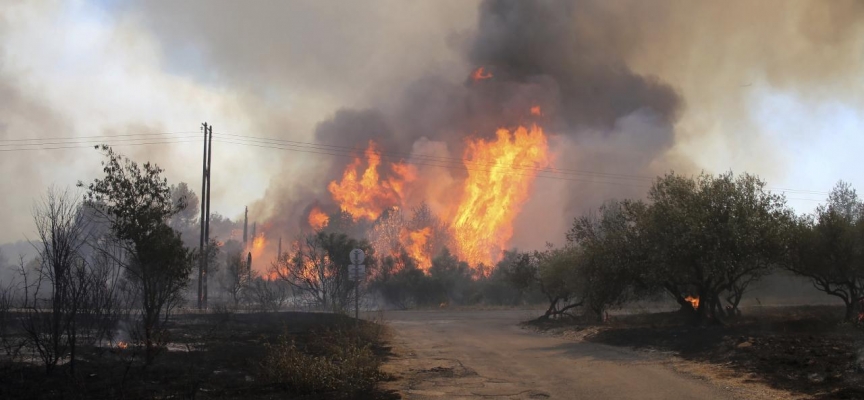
<point x="448" y="281"/>
<point x="604" y="258"/>
<point x="711" y="234"/>
<point x="828" y="248"/>
<point x="137" y="203"/>
<point x="134" y="199"/>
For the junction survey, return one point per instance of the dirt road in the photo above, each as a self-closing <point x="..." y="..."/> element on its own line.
<point x="485" y="354"/>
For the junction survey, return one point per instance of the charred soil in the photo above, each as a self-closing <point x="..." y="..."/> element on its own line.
<point x="802" y="349"/>
<point x="211" y="356"/>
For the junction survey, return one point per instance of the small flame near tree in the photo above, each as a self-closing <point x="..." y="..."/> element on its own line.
<point x="479" y="74"/>
<point x="122" y="345"/>
<point x="536" y="111"/>
<point x="694" y="301"/>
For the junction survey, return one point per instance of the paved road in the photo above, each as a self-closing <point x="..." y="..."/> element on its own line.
<point x="485" y="354"/>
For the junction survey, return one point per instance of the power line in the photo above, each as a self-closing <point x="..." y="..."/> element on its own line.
<point x="539" y="174"/>
<point x="460" y="161"/>
<point x="27" y="145"/>
<point x="98" y="136"/>
<point x="92" y="145"/>
<point x="449" y="166"/>
<point x="344" y="151"/>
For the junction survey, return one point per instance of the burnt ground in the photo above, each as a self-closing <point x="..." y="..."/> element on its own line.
<point x="212" y="356"/>
<point x="805" y="350"/>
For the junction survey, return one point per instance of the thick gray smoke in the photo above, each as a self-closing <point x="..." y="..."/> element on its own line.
<point x="536" y="56"/>
<point x="628" y="89"/>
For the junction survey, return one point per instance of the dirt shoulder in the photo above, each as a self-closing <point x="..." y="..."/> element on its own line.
<point x="486" y="354"/>
<point x="802" y="351"/>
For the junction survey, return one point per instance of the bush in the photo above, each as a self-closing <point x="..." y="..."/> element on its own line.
<point x="334" y="362"/>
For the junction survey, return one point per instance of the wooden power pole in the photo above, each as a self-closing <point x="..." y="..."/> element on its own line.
<point x="205" y="217"/>
<point x="201" y="221"/>
<point x="207" y="223"/>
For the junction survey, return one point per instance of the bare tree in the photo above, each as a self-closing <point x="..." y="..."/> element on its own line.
<point x="237" y="275"/>
<point x="61" y="280"/>
<point x="10" y="344"/>
<point x="267" y="295"/>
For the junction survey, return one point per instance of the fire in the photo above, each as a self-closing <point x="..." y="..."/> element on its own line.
<point x="694" y="301"/>
<point x="257" y="247"/>
<point x="318" y="219"/>
<point x="122" y="345"/>
<point x="536" y="111"/>
<point x="494" y="192"/>
<point x="367" y="195"/>
<point x="479" y="74"/>
<point x="415" y="244"/>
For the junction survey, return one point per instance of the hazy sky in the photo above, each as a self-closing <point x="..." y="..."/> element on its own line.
<point x="768" y="96"/>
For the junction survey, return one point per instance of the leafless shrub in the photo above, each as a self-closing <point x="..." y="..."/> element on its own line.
<point x="268" y="295"/>
<point x="336" y="361"/>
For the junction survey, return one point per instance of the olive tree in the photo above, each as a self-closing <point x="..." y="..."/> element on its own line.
<point x="828" y="248"/>
<point x="710" y="235"/>
<point x="603" y="257"/>
<point x="553" y="272"/>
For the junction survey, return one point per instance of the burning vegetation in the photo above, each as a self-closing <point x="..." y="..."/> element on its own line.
<point x="366" y="195"/>
<point x="479" y="74"/>
<point x="500" y="174"/>
<point x="318" y="219"/>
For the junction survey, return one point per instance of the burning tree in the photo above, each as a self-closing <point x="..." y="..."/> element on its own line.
<point x="828" y="248"/>
<point x="709" y="235"/>
<point x="421" y="237"/>
<point x="317" y="268"/>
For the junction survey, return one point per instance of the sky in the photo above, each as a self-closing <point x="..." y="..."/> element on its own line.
<point x="789" y="110"/>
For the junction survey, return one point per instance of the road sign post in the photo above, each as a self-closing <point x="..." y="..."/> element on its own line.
<point x="356" y="273"/>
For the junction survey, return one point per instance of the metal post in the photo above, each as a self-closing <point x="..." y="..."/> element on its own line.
<point x="357" y="301"/>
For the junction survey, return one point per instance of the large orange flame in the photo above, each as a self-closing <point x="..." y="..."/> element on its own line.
<point x="318" y="219"/>
<point x="500" y="174"/>
<point x="368" y="195"/>
<point x="415" y="244"/>
<point x="257" y="247"/>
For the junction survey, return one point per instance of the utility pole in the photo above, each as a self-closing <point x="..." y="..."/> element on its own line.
<point x="245" y="226"/>
<point x="202" y="221"/>
<point x="207" y="224"/>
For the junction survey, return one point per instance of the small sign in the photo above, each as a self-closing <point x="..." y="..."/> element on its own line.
<point x="356" y="272"/>
<point x="357" y="256"/>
